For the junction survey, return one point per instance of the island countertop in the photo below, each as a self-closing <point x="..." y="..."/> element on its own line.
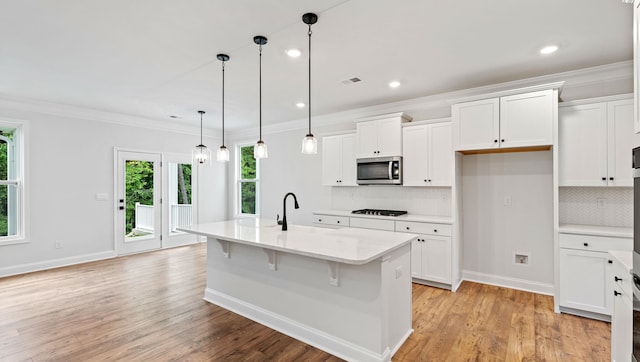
<point x="349" y="246"/>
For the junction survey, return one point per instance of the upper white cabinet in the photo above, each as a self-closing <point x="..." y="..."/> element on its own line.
<point x="339" y="160"/>
<point x="427" y="153"/>
<point x="380" y="137"/>
<point x="595" y="142"/>
<point x="519" y="120"/>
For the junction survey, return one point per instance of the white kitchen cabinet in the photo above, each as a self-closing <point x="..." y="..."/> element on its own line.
<point x="380" y="137"/>
<point x="431" y="252"/>
<point x="512" y="121"/>
<point x="586" y="273"/>
<point x="427" y="155"/>
<point x="338" y="160"/>
<point x="622" y="317"/>
<point x="595" y="142"/>
<point x="584" y="277"/>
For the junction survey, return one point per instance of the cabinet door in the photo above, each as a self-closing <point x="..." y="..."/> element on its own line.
<point x="620" y="142"/>
<point x="416" y="258"/>
<point x="440" y="154"/>
<point x="367" y="139"/>
<point x="348" y="160"/>
<point x="582" y="145"/>
<point x="584" y="282"/>
<point x="527" y="119"/>
<point x="476" y="125"/>
<point x="415" y="149"/>
<point x="436" y="259"/>
<point x="389" y="137"/>
<point x="331" y="160"/>
<point x="622" y="328"/>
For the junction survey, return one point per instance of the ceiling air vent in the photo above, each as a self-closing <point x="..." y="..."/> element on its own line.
<point x="351" y="80"/>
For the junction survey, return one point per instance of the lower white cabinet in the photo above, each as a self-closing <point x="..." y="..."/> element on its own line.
<point x="584" y="281"/>
<point x="586" y="272"/>
<point x="622" y="317"/>
<point x="431" y="252"/>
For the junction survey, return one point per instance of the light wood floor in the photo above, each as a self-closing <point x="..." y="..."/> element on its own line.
<point x="149" y="307"/>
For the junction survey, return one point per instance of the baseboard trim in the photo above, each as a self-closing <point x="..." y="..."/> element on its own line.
<point x="55" y="263"/>
<point x="513" y="283"/>
<point x="319" y="339"/>
<point x="586" y="314"/>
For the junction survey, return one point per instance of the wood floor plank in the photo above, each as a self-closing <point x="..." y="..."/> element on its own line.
<point x="149" y="307"/>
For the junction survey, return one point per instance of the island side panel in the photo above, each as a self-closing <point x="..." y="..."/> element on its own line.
<point x="396" y="277"/>
<point x="298" y="292"/>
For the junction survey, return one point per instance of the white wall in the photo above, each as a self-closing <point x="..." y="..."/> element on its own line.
<point x="493" y="232"/>
<point x="69" y="160"/>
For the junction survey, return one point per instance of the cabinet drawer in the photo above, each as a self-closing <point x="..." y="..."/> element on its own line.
<point x="331" y="220"/>
<point x="423" y="228"/>
<point x="622" y="280"/>
<point x="594" y="243"/>
<point x="376" y="224"/>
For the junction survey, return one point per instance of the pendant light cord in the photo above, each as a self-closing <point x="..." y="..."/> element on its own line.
<point x="309" y="103"/>
<point x="260" y="92"/>
<point x="201" y="127"/>
<point x="222" y="103"/>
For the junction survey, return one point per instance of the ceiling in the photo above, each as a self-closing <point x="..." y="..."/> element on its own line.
<point x="157" y="58"/>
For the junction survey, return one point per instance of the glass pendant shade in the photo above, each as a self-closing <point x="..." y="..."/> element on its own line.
<point x="309" y="145"/>
<point x="201" y="154"/>
<point x="223" y="154"/>
<point x="260" y="150"/>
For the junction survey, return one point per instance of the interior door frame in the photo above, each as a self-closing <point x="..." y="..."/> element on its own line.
<point x="158" y="194"/>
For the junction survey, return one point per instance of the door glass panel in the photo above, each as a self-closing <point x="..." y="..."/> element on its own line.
<point x="181" y="211"/>
<point x="139" y="222"/>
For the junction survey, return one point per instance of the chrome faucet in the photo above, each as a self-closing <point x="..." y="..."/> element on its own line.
<point x="283" y="222"/>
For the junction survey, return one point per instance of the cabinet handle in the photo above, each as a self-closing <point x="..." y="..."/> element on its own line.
<point x="615" y="278"/>
<point x="610" y="178"/>
<point x="502" y="140"/>
<point x="435" y="230"/>
<point x="604" y="179"/>
<point x="408" y="228"/>
<point x="586" y="244"/>
<point x="610" y="261"/>
<point x="495" y="141"/>
<point x="338" y="221"/>
<point x="319" y="220"/>
<point x="428" y="180"/>
<point x="425" y="180"/>
<point x="616" y="293"/>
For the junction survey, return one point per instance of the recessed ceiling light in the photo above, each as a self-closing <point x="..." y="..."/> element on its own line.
<point x="549" y="49"/>
<point x="293" y="53"/>
<point x="394" y="84"/>
<point x="300" y="105"/>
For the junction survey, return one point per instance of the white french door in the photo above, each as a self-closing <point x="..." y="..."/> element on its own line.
<point x="138" y="202"/>
<point x="179" y="200"/>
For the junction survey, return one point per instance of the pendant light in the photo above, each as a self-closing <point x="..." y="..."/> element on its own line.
<point x="309" y="143"/>
<point x="260" y="149"/>
<point x="223" y="153"/>
<point x="200" y="153"/>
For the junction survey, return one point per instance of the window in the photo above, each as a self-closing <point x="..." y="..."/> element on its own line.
<point x="11" y="185"/>
<point x="248" y="180"/>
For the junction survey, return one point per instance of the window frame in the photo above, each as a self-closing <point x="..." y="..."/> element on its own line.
<point x="240" y="180"/>
<point x="18" y="181"/>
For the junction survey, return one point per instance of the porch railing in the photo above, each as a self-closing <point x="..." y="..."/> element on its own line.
<point x="181" y="215"/>
<point x="144" y="217"/>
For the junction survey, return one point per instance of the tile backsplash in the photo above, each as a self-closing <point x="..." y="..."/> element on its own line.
<point x="433" y="201"/>
<point x="603" y="206"/>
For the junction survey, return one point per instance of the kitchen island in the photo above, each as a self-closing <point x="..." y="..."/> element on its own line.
<point x="345" y="291"/>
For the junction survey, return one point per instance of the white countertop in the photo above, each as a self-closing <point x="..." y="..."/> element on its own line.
<point x="625" y="258"/>
<point x="619" y="232"/>
<point x="350" y="246"/>
<point x="406" y="217"/>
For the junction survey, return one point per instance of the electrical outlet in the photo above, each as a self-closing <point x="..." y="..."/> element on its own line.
<point x="601" y="202"/>
<point x="57" y="244"/>
<point x="507" y="201"/>
<point x="398" y="272"/>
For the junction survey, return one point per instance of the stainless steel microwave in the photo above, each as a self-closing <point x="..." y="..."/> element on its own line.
<point x="380" y="171"/>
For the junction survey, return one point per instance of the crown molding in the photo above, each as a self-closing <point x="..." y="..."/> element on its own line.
<point x="12" y="103"/>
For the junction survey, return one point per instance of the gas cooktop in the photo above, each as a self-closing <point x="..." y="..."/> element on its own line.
<point x="379" y="212"/>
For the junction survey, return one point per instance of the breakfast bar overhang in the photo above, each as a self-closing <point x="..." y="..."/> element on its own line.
<point x="345" y="291"/>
